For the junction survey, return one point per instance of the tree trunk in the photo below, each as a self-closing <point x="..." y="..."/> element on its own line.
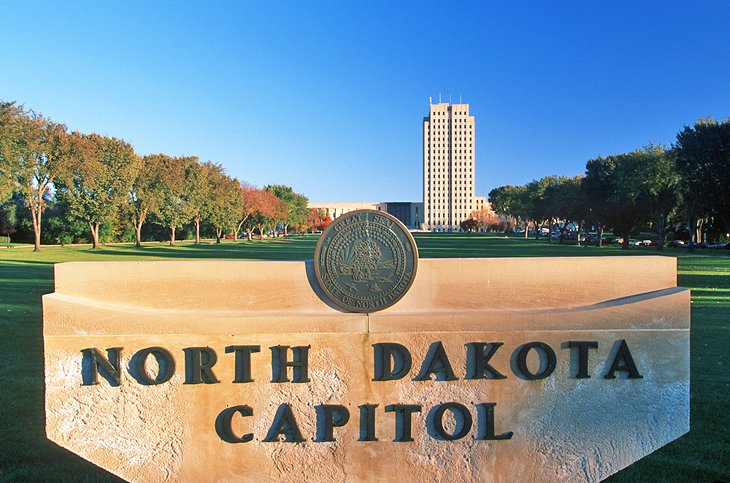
<point x="94" y="227"/>
<point x="138" y="228"/>
<point x="138" y="235"/>
<point x="248" y="234"/>
<point x="197" y="229"/>
<point x="218" y="234"/>
<point x="172" y="235"/>
<point x="692" y="222"/>
<point x="700" y="225"/>
<point x="599" y="232"/>
<point x="661" y="223"/>
<point x="36" y="215"/>
<point x="527" y="229"/>
<point x="286" y="229"/>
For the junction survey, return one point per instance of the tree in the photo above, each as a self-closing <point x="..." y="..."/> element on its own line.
<point x="295" y="205"/>
<point x="662" y="185"/>
<point x="540" y="204"/>
<point x="621" y="198"/>
<point x="597" y="190"/>
<point x="9" y="114"/>
<point x="223" y="204"/>
<point x="469" y="225"/>
<point x="510" y="202"/>
<point x="317" y="220"/>
<point x="198" y="194"/>
<point x="8" y="219"/>
<point x="95" y="188"/>
<point x="703" y="161"/>
<point x="269" y="210"/>
<point x="566" y="200"/>
<point x="36" y="150"/>
<point x="485" y="217"/>
<point x="249" y="199"/>
<point x="145" y="193"/>
<point x="174" y="210"/>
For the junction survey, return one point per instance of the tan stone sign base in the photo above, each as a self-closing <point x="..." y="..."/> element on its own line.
<point x="563" y="426"/>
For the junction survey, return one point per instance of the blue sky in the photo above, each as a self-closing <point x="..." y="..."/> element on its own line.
<point x="328" y="97"/>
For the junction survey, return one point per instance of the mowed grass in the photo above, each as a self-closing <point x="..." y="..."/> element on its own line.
<point x="26" y="454"/>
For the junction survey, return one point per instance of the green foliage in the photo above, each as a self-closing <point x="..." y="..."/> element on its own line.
<point x="510" y="201"/>
<point x="470" y="225"/>
<point x="222" y="208"/>
<point x="175" y="209"/>
<point x="295" y="205"/>
<point x="8" y="155"/>
<point x="95" y="188"/>
<point x="703" y="161"/>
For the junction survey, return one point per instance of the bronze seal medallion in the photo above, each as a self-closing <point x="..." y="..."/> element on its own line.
<point x="365" y="260"/>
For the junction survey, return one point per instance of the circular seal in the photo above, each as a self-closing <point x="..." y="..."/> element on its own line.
<point x="365" y="260"/>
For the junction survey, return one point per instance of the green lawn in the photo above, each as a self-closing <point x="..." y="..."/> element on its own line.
<point x="26" y="454"/>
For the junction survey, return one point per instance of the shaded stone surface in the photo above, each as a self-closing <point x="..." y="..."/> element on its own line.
<point x="563" y="427"/>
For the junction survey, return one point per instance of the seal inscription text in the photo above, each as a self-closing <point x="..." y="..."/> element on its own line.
<point x="365" y="260"/>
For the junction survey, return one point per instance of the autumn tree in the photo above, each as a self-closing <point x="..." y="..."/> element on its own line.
<point x="35" y="151"/>
<point x="485" y="217"/>
<point x="313" y="219"/>
<point x="174" y="209"/>
<point x="294" y="204"/>
<point x="249" y="199"/>
<point x="97" y="185"/>
<point x="269" y="210"/>
<point x="145" y="193"/>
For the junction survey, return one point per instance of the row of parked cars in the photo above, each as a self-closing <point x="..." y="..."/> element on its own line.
<point x="614" y="240"/>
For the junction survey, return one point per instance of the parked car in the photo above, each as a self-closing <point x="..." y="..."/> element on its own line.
<point x="675" y="243"/>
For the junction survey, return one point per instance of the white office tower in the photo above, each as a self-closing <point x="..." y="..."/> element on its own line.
<point x="448" y="166"/>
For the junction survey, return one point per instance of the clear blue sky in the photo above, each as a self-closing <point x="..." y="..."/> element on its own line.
<point x="329" y="97"/>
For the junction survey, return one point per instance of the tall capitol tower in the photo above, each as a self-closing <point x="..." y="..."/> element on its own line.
<point x="448" y="166"/>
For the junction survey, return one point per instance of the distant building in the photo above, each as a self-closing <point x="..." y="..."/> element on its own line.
<point x="448" y="167"/>
<point x="480" y="203"/>
<point x="408" y="212"/>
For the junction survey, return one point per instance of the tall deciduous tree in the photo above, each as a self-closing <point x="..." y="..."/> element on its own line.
<point x="598" y="189"/>
<point x="703" y="161"/>
<point x="223" y="206"/>
<point x="269" y="210"/>
<point x="174" y="209"/>
<point x="97" y="185"/>
<point x="145" y="193"/>
<point x="249" y="200"/>
<point x="662" y="185"/>
<point x="511" y="202"/>
<point x="36" y="151"/>
<point x="196" y="178"/>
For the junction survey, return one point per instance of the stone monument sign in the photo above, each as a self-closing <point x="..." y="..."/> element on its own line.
<point x="367" y="364"/>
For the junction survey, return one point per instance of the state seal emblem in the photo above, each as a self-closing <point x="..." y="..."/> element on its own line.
<point x="365" y="260"/>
